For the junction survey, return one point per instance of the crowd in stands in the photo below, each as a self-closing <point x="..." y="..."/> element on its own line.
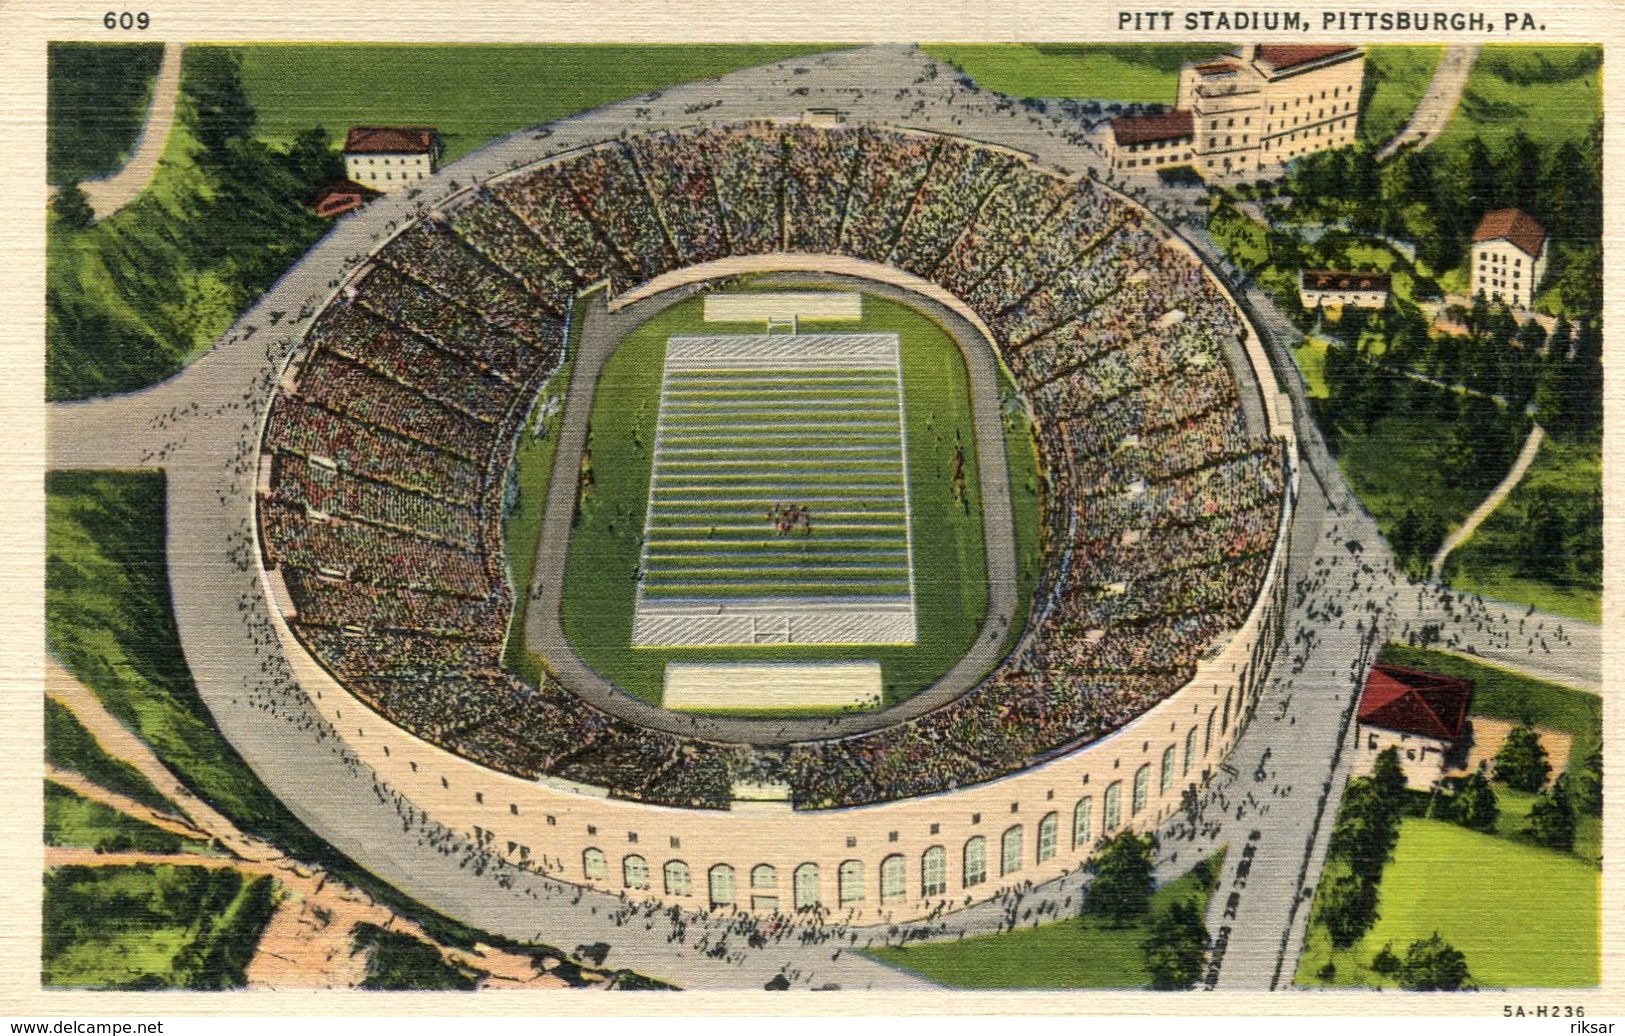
<point x="390" y="442"/>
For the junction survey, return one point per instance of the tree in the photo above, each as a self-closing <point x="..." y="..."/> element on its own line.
<point x="1176" y="950"/>
<point x="72" y="208"/>
<point x="1433" y="964"/>
<point x="1541" y="538"/>
<point x="1348" y="908"/>
<point x="1365" y="831"/>
<point x="1474" y="804"/>
<point x="312" y="158"/>
<point x="1120" y="890"/>
<point x="1388" y="777"/>
<point x="1586" y="786"/>
<point x="1551" y="818"/>
<point x="1386" y="962"/>
<point x="1521" y="763"/>
<point x="218" y="111"/>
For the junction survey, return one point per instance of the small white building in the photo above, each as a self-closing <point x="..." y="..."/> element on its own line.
<point x="1146" y="143"/>
<point x="1342" y="288"/>
<point x="1423" y="715"/>
<point x="1509" y="257"/>
<point x="388" y="158"/>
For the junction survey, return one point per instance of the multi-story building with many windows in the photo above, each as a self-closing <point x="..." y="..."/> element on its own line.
<point x="388" y="158"/>
<point x="1249" y="113"/>
<point x="1509" y="257"/>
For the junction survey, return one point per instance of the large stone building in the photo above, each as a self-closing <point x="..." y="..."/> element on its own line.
<point x="1420" y="714"/>
<point x="388" y="158"/>
<point x="1509" y="257"/>
<point x="1245" y="115"/>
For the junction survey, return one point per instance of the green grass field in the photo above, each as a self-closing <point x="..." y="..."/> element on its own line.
<point x="96" y="98"/>
<point x="1521" y="915"/>
<point x="472" y="93"/>
<point x="75" y="821"/>
<point x="1551" y="92"/>
<point x="1144" y="73"/>
<point x="1070" y="954"/>
<point x="70" y="746"/>
<point x="1568" y="477"/>
<point x="1311" y="357"/>
<point x="151" y="927"/>
<point x="1395" y="467"/>
<point x="1396" y="77"/>
<point x="950" y="588"/>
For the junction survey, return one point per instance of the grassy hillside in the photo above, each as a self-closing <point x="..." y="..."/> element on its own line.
<point x="1396" y="77"/>
<point x="96" y="98"/>
<point x="472" y="93"/>
<point x="1144" y="73"/>
<point x="1551" y="92"/>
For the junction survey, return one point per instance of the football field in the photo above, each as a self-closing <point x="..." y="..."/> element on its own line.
<point x="778" y="508"/>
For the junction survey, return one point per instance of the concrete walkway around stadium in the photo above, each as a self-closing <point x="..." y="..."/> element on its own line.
<point x="601" y="333"/>
<point x="203" y="428"/>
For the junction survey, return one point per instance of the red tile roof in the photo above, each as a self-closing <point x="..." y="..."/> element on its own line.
<point x="1412" y="701"/>
<point x="1513" y="225"/>
<point x="389" y="140"/>
<point x="1215" y="68"/>
<point x="1142" y="129"/>
<point x="1282" y="58"/>
<point x="1342" y="280"/>
<point x="341" y="196"/>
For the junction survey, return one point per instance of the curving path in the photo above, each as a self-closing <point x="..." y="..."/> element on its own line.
<point x="601" y="333"/>
<point x="1433" y="111"/>
<point x="111" y="193"/>
<point x="1502" y="490"/>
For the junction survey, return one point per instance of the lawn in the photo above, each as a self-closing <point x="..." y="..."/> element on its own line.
<point x="1311" y="357"/>
<point x="1128" y="73"/>
<point x="152" y="927"/>
<point x="73" y="820"/>
<point x="472" y="93"/>
<point x="1551" y="92"/>
<point x="1496" y="562"/>
<point x="70" y="746"/>
<point x="1395" y="467"/>
<point x="950" y="566"/>
<point x="1522" y="916"/>
<point x="1396" y="77"/>
<point x="96" y="99"/>
<point x="1070" y="954"/>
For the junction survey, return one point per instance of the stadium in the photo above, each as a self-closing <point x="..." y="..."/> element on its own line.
<point x="800" y="742"/>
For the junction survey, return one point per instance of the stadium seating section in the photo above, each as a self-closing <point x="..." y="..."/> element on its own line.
<point x="390" y="447"/>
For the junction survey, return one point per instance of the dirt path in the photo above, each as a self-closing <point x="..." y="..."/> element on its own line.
<point x="111" y="193"/>
<point x="1433" y="111"/>
<point x="1464" y="532"/>
<point x="307" y="943"/>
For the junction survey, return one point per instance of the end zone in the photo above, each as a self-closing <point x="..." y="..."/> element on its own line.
<point x="710" y="686"/>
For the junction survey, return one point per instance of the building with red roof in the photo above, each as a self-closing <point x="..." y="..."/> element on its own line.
<point x="1423" y="715"/>
<point x="1367" y="290"/>
<point x="1257" y="109"/>
<point x="341" y="197"/>
<point x="388" y="158"/>
<point x="1509" y="257"/>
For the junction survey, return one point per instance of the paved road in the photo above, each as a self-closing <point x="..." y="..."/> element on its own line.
<point x="111" y="193"/>
<point x="1433" y="111"/>
<point x="1487" y="506"/>
<point x="544" y="632"/>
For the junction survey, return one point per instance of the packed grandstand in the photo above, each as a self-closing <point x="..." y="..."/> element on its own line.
<point x="388" y="445"/>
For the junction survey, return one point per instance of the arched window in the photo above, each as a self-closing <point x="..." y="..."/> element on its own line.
<point x="1046" y="836"/>
<point x="1083" y="822"/>
<point x="806" y="880"/>
<point x="764" y="884"/>
<point x="1190" y="751"/>
<point x="635" y="872"/>
<point x="975" y="861"/>
<point x="1142" y="789"/>
<point x="1114" y="807"/>
<point x="677" y="883"/>
<point x="722" y="885"/>
<point x="593" y="864"/>
<point x="1010" y="851"/>
<point x="893" y="879"/>
<point x="849" y="882"/>
<point x="1166" y="780"/>
<point x="934" y="871"/>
